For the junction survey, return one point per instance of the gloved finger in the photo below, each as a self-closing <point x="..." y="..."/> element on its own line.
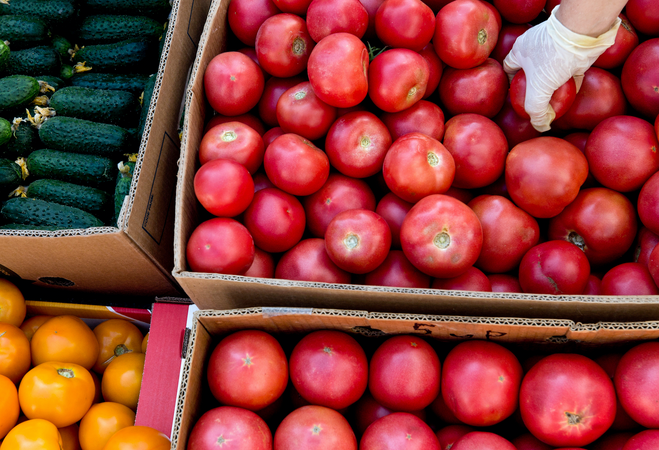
<point x="536" y="104"/>
<point x="578" y="80"/>
<point x="542" y="122"/>
<point x="511" y="65"/>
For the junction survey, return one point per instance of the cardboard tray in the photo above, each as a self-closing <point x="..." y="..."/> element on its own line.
<point x="213" y="291"/>
<point x="135" y="258"/>
<point x="543" y="335"/>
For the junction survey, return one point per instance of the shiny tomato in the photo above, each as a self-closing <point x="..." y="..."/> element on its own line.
<point x="405" y="24"/>
<point x="325" y="17"/>
<point x="273" y="89"/>
<point x="514" y="127"/>
<point x="65" y="339"/>
<point x="393" y="209"/>
<point x="397" y="79"/>
<point x="397" y="271"/>
<point x="629" y="279"/>
<point x="502" y="282"/>
<point x="224" y="187"/>
<point x="507" y="37"/>
<point x="554" y="267"/>
<point x="626" y="41"/>
<point x="69" y="435"/>
<point x="101" y="422"/>
<point x="399" y="430"/>
<point x="116" y="337"/>
<point x="482" y="440"/>
<point x="520" y="11"/>
<point x="560" y="101"/>
<point x="309" y="261"/>
<point x="636" y="383"/>
<point x="233" y="83"/>
<point x="436" y="67"/>
<point x="246" y="16"/>
<point x="14" y="352"/>
<point x="122" y="379"/>
<point x="300" y="111"/>
<point x="235" y="141"/>
<point x="230" y="428"/>
<point x="450" y="434"/>
<point x="138" y="438"/>
<point x="647" y="204"/>
<point x="644" y="15"/>
<point x="12" y="303"/>
<point x="639" y="80"/>
<point x="247" y="119"/>
<point x="315" y="428"/>
<point x="31" y="325"/>
<point x="8" y="405"/>
<point x="423" y="117"/>
<point x="283" y="45"/>
<point x="37" y="434"/>
<point x="58" y="392"/>
<point x="248" y="369"/>
<point x="263" y="265"/>
<point x="472" y="280"/>
<point x="207" y="249"/>
<point x="644" y="439"/>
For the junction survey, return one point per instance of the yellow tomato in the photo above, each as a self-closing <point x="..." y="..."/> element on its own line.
<point x="64" y="339"/>
<point x="101" y="422"/>
<point x="137" y="438"/>
<point x="31" y="325"/>
<point x="70" y="437"/>
<point x="123" y="378"/>
<point x="8" y="405"/>
<point x="59" y="392"/>
<point x="145" y="341"/>
<point x="37" y="434"/>
<point x="14" y="352"/>
<point x="12" y="303"/>
<point x="116" y="337"/>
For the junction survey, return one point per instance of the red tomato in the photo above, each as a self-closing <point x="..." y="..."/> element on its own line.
<point x="593" y="286"/>
<point x="609" y="362"/>
<point x="404" y="374"/>
<point x="543" y="175"/>
<point x="438" y="406"/>
<point x="436" y="67"/>
<point x="298" y="7"/>
<point x="263" y="265"/>
<point x="567" y="400"/>
<point x="417" y="166"/>
<point x="224" y="187"/>
<point x="519" y="11"/>
<point x="481" y="89"/>
<point x="371" y="7"/>
<point x="233" y="83"/>
<point x="480" y="382"/>
<point x="653" y="266"/>
<point x="397" y="271"/>
<point x="472" y="280"/>
<point x="248" y="369"/>
<point x="399" y="430"/>
<point x="234" y="141"/>
<point x="626" y="41"/>
<point x="273" y="90"/>
<point x="261" y="181"/>
<point x="614" y="441"/>
<point x="393" y="209"/>
<point x="550" y="5"/>
<point x="248" y="119"/>
<point x="283" y="44"/>
<point x="482" y="440"/>
<point x="423" y="117"/>
<point x="507" y="37"/>
<point x="441" y="236"/>
<point x="560" y="101"/>
<point x="308" y="261"/>
<point x="450" y="434"/>
<point x="629" y="279"/>
<point x="466" y="32"/>
<point x="397" y="79"/>
<point x="479" y="149"/>
<point x="405" y="24"/>
<point x="295" y="165"/>
<point x="220" y="246"/>
<point x="637" y="383"/>
<point x="325" y="17"/>
<point x="329" y="368"/>
<point x="463" y="195"/>
<point x="340" y="193"/>
<point x="554" y="267"/>
<point x="648" y="199"/>
<point x="508" y="233"/>
<point x="515" y="128"/>
<point x="231" y="428"/>
<point x="300" y="111"/>
<point x="644" y="15"/>
<point x="315" y="428"/>
<point x="357" y="143"/>
<point x="246" y="16"/>
<point x="601" y="222"/>
<point x="357" y="240"/>
<point x="271" y="135"/>
<point x="275" y="219"/>
<point x="504" y="283"/>
<point x="644" y="439"/>
<point x="338" y="70"/>
<point x="529" y="442"/>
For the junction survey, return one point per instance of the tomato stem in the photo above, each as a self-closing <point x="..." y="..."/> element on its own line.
<point x="373" y="52"/>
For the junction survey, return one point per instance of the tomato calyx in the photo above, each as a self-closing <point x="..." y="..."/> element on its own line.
<point x="572" y="418"/>
<point x="365" y="142"/>
<point x="316" y="429"/>
<point x="299" y="47"/>
<point x="351" y="241"/>
<point x="433" y="160"/>
<point x="300" y="95"/>
<point x="229" y="136"/>
<point x="482" y="36"/>
<point x="442" y="240"/>
<point x="121" y="349"/>
<point x="577" y="240"/>
<point x="220" y="440"/>
<point x="66" y="373"/>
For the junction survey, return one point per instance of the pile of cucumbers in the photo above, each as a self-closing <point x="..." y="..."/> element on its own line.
<point x="76" y="78"/>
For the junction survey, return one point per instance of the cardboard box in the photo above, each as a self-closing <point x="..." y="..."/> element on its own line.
<point x="213" y="291"/>
<point x="544" y="335"/>
<point x="135" y="258"/>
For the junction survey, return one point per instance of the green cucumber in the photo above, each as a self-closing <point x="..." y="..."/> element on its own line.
<point x="88" y="199"/>
<point x="5" y="131"/>
<point x="88" y="170"/>
<point x="66" y="72"/>
<point x="62" y="46"/>
<point x="133" y="83"/>
<point x="53" y="12"/>
<point x="4" y="54"/>
<point x="10" y="175"/>
<point x="116" y="107"/>
<point x="23" y="31"/>
<point x="22" y="142"/>
<point x="127" y="55"/>
<point x="158" y="9"/>
<point x="105" y="28"/>
<point x="69" y="134"/>
<point x="17" y="91"/>
<point x="22" y="226"/>
<point x="122" y="188"/>
<point x="42" y="60"/>
<point x="33" y="211"/>
<point x="146" y="101"/>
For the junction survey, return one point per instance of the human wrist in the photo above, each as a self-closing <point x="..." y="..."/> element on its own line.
<point x="584" y="22"/>
<point x="570" y="39"/>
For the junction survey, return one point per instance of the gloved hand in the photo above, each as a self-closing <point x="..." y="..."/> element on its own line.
<point x="550" y="54"/>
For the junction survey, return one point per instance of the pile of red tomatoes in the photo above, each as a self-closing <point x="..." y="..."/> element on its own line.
<point x="373" y="142"/>
<point x="402" y="397"/>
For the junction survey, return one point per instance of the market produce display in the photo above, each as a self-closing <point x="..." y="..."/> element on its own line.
<point x="390" y="153"/>
<point x="75" y="81"/>
<point x="329" y="389"/>
<point x="64" y="385"/>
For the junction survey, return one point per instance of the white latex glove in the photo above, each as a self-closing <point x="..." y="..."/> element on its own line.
<point x="550" y="54"/>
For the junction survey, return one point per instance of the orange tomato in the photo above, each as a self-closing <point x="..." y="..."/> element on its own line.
<point x="70" y="437"/>
<point x="31" y="325"/>
<point x="14" y="352"/>
<point x="115" y="337"/>
<point x="98" y="398"/>
<point x="59" y="392"/>
<point x="64" y="339"/>
<point x="8" y="405"/>
<point x="137" y="438"/>
<point x="145" y="341"/>
<point x="123" y="378"/>
<point x="101" y="422"/>
<point x="12" y="303"/>
<point x="37" y="434"/>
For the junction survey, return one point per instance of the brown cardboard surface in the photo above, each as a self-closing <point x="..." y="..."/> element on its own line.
<point x="212" y="291"/>
<point x="135" y="258"/>
<point x="549" y="335"/>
